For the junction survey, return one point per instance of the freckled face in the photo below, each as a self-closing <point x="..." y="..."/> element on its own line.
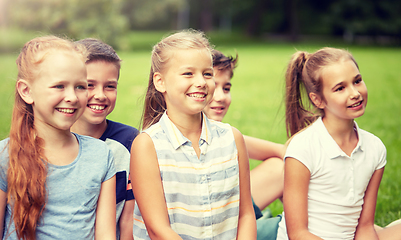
<point x="221" y="101"/>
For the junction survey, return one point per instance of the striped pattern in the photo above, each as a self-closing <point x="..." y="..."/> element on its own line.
<point x="202" y="194"/>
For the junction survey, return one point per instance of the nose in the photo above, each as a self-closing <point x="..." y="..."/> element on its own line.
<point x="355" y="94"/>
<point x="70" y="95"/>
<point x="200" y="82"/>
<point x="99" y="94"/>
<point x="218" y="95"/>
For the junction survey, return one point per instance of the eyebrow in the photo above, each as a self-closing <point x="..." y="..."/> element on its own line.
<point x="340" y="83"/>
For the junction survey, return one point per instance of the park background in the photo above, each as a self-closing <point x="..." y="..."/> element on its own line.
<point x="264" y="34"/>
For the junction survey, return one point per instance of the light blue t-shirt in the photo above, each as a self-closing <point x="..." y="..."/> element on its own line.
<point x="73" y="192"/>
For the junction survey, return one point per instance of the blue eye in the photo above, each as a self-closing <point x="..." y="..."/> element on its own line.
<point x="59" y="86"/>
<point x="187" y="74"/>
<point x="81" y="87"/>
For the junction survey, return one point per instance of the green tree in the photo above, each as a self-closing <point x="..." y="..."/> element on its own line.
<point x="73" y="18"/>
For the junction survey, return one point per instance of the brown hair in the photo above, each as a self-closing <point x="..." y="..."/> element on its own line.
<point x="303" y="76"/>
<point x="223" y="62"/>
<point x="154" y="101"/>
<point x="100" y="51"/>
<point x="27" y="168"/>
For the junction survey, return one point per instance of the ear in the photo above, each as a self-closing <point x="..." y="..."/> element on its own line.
<point x="317" y="100"/>
<point x="24" y="90"/>
<point x="159" y="83"/>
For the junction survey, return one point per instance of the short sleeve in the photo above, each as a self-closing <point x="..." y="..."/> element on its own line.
<point x="4" y="158"/>
<point x="382" y="156"/>
<point x="111" y="169"/>
<point x="299" y="149"/>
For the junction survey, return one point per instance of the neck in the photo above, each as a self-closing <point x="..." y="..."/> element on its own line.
<point x="60" y="146"/>
<point x="343" y="133"/>
<point x="93" y="130"/>
<point x="189" y="125"/>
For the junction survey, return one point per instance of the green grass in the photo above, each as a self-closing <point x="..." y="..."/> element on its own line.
<point x="257" y="108"/>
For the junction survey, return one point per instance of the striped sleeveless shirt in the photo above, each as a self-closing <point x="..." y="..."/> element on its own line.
<point x="202" y="194"/>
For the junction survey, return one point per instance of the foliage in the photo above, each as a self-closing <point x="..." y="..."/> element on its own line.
<point x="109" y="19"/>
<point x="74" y="18"/>
<point x="154" y="14"/>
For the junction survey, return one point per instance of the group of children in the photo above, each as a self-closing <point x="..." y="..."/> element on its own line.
<point x="67" y="171"/>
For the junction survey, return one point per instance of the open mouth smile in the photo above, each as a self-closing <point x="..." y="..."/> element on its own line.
<point x="97" y="107"/>
<point x="356" y="104"/>
<point x="197" y="95"/>
<point x="66" y="110"/>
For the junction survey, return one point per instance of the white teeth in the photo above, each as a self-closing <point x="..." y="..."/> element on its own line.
<point x="197" y="95"/>
<point x="66" y="110"/>
<point x="356" y="104"/>
<point x="96" y="107"/>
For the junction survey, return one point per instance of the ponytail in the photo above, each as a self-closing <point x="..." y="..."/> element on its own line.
<point x="27" y="168"/>
<point x="155" y="105"/>
<point x="303" y="77"/>
<point x="26" y="174"/>
<point x="297" y="114"/>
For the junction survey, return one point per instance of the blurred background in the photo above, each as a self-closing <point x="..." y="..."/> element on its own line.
<point x="368" y="22"/>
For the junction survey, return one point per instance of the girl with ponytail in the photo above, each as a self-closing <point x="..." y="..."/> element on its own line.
<point x="333" y="168"/>
<point x="53" y="184"/>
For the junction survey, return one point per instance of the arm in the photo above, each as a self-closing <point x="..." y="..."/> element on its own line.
<point x="365" y="228"/>
<point x="296" y="186"/>
<point x="260" y="149"/>
<point x="148" y="190"/>
<point x="247" y="220"/>
<point x="105" y="224"/>
<point x="3" y="204"/>
<point x="127" y="220"/>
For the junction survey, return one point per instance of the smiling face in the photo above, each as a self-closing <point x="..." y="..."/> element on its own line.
<point x="59" y="94"/>
<point x="102" y="91"/>
<point x="218" y="107"/>
<point x="187" y="81"/>
<point x="345" y="93"/>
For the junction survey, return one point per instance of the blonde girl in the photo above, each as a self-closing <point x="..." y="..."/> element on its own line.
<point x="54" y="184"/>
<point x="333" y="168"/>
<point x="190" y="175"/>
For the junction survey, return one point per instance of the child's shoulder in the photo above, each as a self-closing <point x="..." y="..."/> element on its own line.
<point x="369" y="138"/>
<point x="89" y="142"/>
<point x="120" y="128"/>
<point x="4" y="148"/>
<point x="119" y="125"/>
<point x="4" y="143"/>
<point x="216" y="125"/>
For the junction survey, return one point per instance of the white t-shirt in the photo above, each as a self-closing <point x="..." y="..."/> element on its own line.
<point x="338" y="182"/>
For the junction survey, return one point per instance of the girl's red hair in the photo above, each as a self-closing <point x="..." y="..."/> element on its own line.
<point x="27" y="169"/>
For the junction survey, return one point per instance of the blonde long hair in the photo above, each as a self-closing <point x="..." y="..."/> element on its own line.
<point x="155" y="104"/>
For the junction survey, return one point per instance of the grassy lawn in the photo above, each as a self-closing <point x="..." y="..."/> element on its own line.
<point x="257" y="108"/>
